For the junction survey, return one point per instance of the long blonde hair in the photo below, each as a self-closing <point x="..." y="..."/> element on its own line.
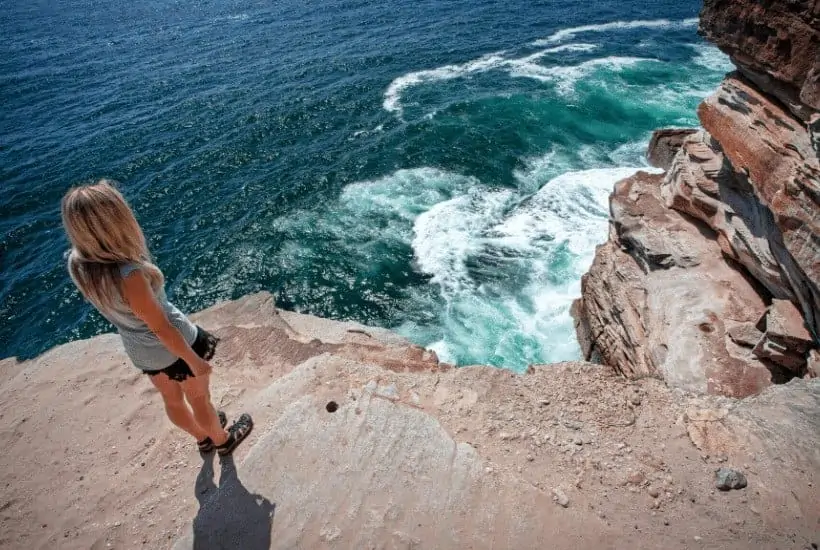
<point x="104" y="234"/>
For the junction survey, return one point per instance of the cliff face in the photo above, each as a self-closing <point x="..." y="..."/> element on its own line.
<point x="710" y="275"/>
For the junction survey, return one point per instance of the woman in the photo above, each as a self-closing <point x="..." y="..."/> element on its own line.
<point x="111" y="266"/>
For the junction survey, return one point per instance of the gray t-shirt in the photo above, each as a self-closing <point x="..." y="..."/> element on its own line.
<point x="141" y="344"/>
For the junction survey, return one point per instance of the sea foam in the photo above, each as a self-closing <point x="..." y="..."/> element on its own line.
<point x="571" y="32"/>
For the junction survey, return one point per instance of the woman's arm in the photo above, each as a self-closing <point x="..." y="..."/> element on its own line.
<point x="139" y="296"/>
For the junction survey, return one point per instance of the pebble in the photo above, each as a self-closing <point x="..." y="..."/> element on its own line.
<point x="560" y="497"/>
<point x="729" y="478"/>
<point x="544" y="402"/>
<point x="653" y="492"/>
<point x="635" y="400"/>
<point x="698" y="539"/>
<point x="636" y="478"/>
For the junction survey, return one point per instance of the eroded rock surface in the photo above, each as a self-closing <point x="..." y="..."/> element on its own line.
<point x="659" y="300"/>
<point x="761" y="140"/>
<point x="775" y="43"/>
<point x="748" y="185"/>
<point x="665" y="144"/>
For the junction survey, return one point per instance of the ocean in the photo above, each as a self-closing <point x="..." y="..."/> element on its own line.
<point x="438" y="168"/>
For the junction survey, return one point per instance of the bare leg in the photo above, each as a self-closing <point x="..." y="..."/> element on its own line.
<point x="176" y="408"/>
<point x="199" y="397"/>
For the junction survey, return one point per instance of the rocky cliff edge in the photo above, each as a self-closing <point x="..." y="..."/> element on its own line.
<point x="365" y="441"/>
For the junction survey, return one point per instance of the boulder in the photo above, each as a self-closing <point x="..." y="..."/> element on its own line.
<point x="665" y="144"/>
<point x="774" y="151"/>
<point x="775" y="43"/>
<point x="660" y="300"/>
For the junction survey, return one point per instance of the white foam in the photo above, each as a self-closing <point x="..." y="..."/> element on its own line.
<point x="712" y="58"/>
<point x="525" y="66"/>
<point x="571" y="32"/>
<point x="559" y="225"/>
<point x="571" y="208"/>
<point x="392" y="96"/>
<point x="450" y="231"/>
<point x="566" y="76"/>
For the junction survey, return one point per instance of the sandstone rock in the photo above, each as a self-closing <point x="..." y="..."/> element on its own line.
<point x="777" y="41"/>
<point x="358" y="476"/>
<point x="727" y="479"/>
<point x="658" y="297"/>
<point x="762" y="141"/>
<point x="813" y="364"/>
<point x="785" y="340"/>
<point x="665" y="144"/>
<point x="560" y="497"/>
<point x="765" y="426"/>
<point x="702" y="183"/>
<point x="744" y="334"/>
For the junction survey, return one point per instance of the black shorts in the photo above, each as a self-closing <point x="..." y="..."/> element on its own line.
<point x="204" y="345"/>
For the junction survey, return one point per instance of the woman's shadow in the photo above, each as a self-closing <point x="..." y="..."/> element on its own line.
<point x="229" y="516"/>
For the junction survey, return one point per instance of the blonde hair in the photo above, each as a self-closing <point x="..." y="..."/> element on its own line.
<point x="104" y="234"/>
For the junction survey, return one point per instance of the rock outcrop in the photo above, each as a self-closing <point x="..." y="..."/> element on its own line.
<point x="703" y="260"/>
<point x="659" y="300"/>
<point x="357" y="447"/>
<point x="775" y="44"/>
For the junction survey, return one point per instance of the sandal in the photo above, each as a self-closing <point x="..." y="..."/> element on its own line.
<point x="236" y="434"/>
<point x="207" y="445"/>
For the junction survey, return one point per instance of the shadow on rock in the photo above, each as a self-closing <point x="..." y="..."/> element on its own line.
<point x="230" y="516"/>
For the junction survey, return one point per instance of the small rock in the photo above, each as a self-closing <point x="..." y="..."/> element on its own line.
<point x="544" y="402"/>
<point x="636" y="478"/>
<point x="530" y="458"/>
<point x="698" y="539"/>
<point x="729" y="478"/>
<point x="635" y="400"/>
<point x="653" y="492"/>
<point x="560" y="497"/>
<point x="666" y="522"/>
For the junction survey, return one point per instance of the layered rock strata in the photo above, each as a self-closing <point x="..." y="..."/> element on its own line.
<point x="711" y="275"/>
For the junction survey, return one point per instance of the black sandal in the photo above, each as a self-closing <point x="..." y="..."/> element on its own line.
<point x="236" y="434"/>
<point x="207" y="445"/>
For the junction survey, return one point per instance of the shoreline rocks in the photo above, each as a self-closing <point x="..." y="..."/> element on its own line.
<point x="710" y="278"/>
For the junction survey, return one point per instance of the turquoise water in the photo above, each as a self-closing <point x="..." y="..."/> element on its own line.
<point x="442" y="170"/>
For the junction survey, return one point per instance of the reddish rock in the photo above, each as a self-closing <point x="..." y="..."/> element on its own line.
<point x="762" y="141"/>
<point x="775" y="43"/>
<point x="785" y="340"/>
<point x="703" y="184"/>
<point x="665" y="144"/>
<point x="659" y="297"/>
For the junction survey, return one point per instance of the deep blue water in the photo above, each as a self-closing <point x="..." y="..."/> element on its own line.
<point x="440" y="168"/>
